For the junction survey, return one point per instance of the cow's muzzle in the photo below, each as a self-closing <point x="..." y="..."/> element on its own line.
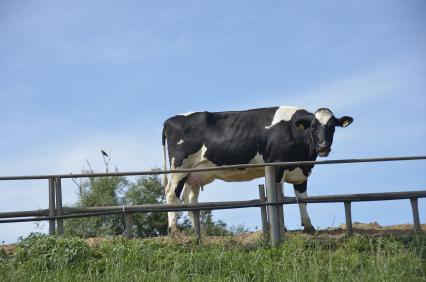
<point x="323" y="149"/>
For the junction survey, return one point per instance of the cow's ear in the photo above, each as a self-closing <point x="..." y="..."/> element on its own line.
<point x="303" y="123"/>
<point x="344" y="121"/>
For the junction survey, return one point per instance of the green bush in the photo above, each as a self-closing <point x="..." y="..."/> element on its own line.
<point x="113" y="191"/>
<point x="43" y="253"/>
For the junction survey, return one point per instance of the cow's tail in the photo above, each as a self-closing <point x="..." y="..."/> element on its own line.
<point x="165" y="180"/>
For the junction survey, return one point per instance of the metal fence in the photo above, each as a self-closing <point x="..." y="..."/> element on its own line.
<point x="271" y="203"/>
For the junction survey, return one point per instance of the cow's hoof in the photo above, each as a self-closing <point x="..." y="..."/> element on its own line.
<point x="309" y="230"/>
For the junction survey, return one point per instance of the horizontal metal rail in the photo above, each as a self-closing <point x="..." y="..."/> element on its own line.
<point x="42" y="212"/>
<point x="239" y="166"/>
<point x="110" y="210"/>
<point x="366" y="197"/>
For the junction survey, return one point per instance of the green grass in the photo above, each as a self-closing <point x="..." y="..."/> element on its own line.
<point x="360" y="258"/>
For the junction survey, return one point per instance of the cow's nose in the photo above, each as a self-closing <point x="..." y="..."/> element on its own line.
<point x="323" y="144"/>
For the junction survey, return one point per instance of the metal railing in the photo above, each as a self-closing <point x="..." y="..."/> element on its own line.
<point x="225" y="167"/>
<point x="271" y="205"/>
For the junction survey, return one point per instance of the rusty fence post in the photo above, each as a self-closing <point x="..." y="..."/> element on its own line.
<point x="128" y="217"/>
<point x="263" y="213"/>
<point x="52" y="205"/>
<point x="280" y="198"/>
<point x="197" y="225"/>
<point x="416" y="217"/>
<point x="271" y="190"/>
<point x="59" y="208"/>
<point x="348" y="217"/>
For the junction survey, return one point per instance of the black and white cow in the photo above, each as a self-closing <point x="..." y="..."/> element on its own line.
<point x="277" y="134"/>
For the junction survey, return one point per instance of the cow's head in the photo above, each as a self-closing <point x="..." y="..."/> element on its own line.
<point x="321" y="127"/>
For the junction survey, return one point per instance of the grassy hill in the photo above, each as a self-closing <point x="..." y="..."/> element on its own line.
<point x="233" y="258"/>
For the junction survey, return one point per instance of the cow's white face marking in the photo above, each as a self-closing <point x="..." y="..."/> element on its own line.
<point x="180" y="142"/>
<point x="323" y="116"/>
<point x="283" y="113"/>
<point x="186" y="114"/>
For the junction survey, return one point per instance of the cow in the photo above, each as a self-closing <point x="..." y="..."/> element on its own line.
<point x="256" y="136"/>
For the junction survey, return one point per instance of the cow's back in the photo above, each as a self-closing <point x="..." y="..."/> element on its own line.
<point x="228" y="137"/>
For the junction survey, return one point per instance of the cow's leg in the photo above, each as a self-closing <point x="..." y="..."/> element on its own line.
<point x="300" y="191"/>
<point x="190" y="195"/>
<point x="175" y="184"/>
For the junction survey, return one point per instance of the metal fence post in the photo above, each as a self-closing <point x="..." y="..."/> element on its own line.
<point x="51" y="205"/>
<point x="197" y="225"/>
<point x="59" y="209"/>
<point x="348" y="216"/>
<point x="416" y="217"/>
<point x="263" y="213"/>
<point x="128" y="217"/>
<point x="280" y="198"/>
<point x="271" y="190"/>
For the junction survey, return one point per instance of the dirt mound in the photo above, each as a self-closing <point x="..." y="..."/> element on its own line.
<point x="246" y="239"/>
<point x="7" y="248"/>
<point x="375" y="228"/>
<point x="253" y="238"/>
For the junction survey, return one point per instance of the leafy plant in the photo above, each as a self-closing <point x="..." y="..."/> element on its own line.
<point x="147" y="190"/>
<point x="118" y="190"/>
<point x="98" y="191"/>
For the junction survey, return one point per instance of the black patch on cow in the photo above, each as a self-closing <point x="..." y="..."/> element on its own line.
<point x="301" y="188"/>
<point x="236" y="137"/>
<point x="179" y="187"/>
<point x="279" y="173"/>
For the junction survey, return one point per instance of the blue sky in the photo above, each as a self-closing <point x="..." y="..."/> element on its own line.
<point x="80" y="76"/>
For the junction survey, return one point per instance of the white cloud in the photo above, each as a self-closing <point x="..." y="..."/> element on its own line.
<point x="355" y="91"/>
